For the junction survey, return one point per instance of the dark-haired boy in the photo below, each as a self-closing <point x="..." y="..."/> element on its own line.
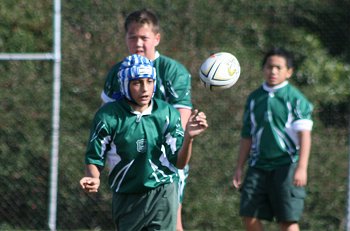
<point x="276" y="141"/>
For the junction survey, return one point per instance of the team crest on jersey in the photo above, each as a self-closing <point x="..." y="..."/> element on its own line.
<point x="141" y="145"/>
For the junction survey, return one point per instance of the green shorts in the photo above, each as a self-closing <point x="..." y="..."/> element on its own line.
<point x="269" y="195"/>
<point x="153" y="210"/>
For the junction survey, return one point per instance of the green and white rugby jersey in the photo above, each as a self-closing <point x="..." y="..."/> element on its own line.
<point x="173" y="83"/>
<point x="140" y="148"/>
<point x="272" y="118"/>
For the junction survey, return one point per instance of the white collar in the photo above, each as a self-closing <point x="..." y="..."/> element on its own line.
<point x="274" y="88"/>
<point x="148" y="111"/>
<point x="156" y="55"/>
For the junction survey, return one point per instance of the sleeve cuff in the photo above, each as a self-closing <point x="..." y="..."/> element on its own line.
<point x="303" y="124"/>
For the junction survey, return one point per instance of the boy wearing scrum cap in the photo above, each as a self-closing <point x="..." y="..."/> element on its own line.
<point x="144" y="144"/>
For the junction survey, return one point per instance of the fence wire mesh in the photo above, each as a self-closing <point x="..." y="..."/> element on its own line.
<point x="90" y="41"/>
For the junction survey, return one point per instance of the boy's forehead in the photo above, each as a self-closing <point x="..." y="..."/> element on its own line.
<point x="145" y="79"/>
<point x="137" y="25"/>
<point x="276" y="59"/>
<point x="133" y="26"/>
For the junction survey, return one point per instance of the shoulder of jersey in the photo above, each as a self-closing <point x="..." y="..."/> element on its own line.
<point x="164" y="105"/>
<point x="169" y="61"/>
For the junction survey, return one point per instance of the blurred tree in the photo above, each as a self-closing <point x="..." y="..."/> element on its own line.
<point x="93" y="39"/>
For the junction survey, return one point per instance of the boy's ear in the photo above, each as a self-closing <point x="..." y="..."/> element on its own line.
<point x="290" y="72"/>
<point x="158" y="37"/>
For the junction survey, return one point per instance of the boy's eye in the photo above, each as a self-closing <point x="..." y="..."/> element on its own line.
<point x="135" y="82"/>
<point x="277" y="67"/>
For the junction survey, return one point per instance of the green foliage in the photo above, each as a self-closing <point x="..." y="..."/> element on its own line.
<point x="93" y="39"/>
<point x="25" y="26"/>
<point x="25" y="141"/>
<point x="329" y="77"/>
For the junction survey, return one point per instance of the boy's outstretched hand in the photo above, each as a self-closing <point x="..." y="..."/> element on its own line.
<point x="197" y="123"/>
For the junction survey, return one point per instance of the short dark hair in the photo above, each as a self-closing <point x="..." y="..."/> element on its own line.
<point x="143" y="16"/>
<point x="280" y="52"/>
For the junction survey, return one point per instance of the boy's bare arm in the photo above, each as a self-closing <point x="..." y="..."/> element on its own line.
<point x="185" y="114"/>
<point x="244" y="150"/>
<point x="300" y="176"/>
<point x="196" y="125"/>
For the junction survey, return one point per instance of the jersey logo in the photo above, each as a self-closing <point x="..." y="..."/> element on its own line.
<point x="141" y="145"/>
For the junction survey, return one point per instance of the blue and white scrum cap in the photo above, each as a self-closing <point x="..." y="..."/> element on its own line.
<point x="135" y="67"/>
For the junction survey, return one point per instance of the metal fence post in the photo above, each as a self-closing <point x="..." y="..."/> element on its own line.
<point x="56" y="57"/>
<point x="55" y="117"/>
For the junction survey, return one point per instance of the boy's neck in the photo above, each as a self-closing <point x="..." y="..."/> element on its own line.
<point x="274" y="88"/>
<point x="140" y="109"/>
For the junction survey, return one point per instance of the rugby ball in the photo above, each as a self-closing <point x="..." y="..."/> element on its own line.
<point x="220" y="71"/>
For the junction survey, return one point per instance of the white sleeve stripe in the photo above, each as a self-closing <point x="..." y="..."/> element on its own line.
<point x="181" y="106"/>
<point x="105" y="98"/>
<point x="303" y="124"/>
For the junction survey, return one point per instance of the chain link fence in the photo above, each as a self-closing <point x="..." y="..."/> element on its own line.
<point x="210" y="203"/>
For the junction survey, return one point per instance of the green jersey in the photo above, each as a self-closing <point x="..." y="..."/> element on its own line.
<point x="173" y="83"/>
<point x="140" y="148"/>
<point x="272" y="118"/>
